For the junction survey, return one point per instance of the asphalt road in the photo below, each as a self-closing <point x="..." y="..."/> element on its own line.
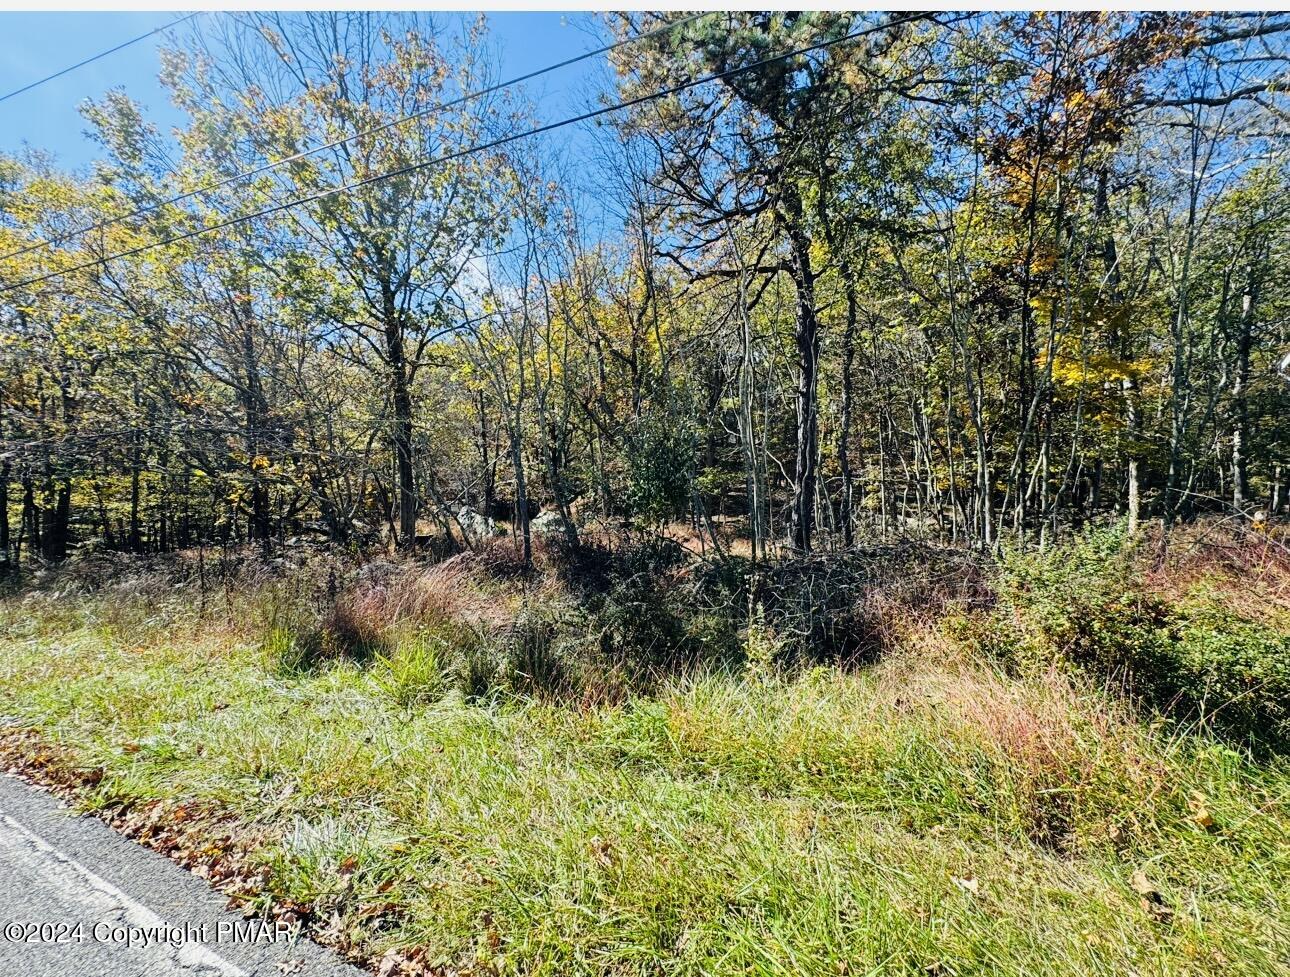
<point x="79" y="900"/>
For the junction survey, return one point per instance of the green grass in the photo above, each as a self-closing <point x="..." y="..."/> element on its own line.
<point x="927" y="815"/>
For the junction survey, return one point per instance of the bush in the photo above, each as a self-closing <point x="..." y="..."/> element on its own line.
<point x="593" y="654"/>
<point x="660" y="458"/>
<point x="713" y="637"/>
<point x="1241" y="668"/>
<point x="635" y="629"/>
<point x="1089" y="603"/>
<point x="851" y="608"/>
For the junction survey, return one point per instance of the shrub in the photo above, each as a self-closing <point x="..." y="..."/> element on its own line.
<point x="853" y="607"/>
<point x="1088" y="603"/>
<point x="1240" y="668"/>
<point x="713" y="637"/>
<point x="635" y="629"/>
<point x="660" y="458"/>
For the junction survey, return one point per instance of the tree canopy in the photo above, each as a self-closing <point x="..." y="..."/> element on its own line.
<point x="827" y="277"/>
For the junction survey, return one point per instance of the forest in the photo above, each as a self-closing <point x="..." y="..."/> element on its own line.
<point x="807" y="280"/>
<point x="806" y="497"/>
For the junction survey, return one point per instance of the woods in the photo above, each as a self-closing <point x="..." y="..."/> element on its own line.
<point x="799" y="281"/>
<point x="773" y="493"/>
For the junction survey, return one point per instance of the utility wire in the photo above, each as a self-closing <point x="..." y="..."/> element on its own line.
<point x="469" y="151"/>
<point x="295" y="157"/>
<point x="101" y="54"/>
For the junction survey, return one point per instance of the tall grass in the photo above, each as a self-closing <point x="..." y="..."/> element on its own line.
<point x="435" y="806"/>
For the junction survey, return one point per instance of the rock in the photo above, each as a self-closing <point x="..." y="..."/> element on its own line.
<point x="377" y="573"/>
<point x="476" y="525"/>
<point x="549" y="523"/>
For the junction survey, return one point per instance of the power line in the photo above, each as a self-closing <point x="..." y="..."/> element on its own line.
<point x="469" y="151"/>
<point x="274" y="164"/>
<point x="101" y="54"/>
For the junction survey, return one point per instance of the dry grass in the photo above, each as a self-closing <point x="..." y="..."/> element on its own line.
<point x="1248" y="569"/>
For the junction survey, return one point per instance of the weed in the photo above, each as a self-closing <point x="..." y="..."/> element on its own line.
<point x="519" y="777"/>
<point x="761" y="647"/>
<point x="290" y="651"/>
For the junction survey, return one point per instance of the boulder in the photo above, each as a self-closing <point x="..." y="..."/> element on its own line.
<point x="377" y="573"/>
<point x="476" y="525"/>
<point x="549" y="523"/>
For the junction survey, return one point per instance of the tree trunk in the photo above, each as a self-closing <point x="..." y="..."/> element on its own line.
<point x="135" y="543"/>
<point x="4" y="513"/>
<point x="1240" y="396"/>
<point x="255" y="410"/>
<point x="521" y="497"/>
<point x="30" y="517"/>
<point x="54" y="534"/>
<point x="402" y="396"/>
<point x="487" y="460"/>
<point x="1128" y="386"/>
<point x="807" y="340"/>
<point x="844" y="426"/>
<point x="407" y="499"/>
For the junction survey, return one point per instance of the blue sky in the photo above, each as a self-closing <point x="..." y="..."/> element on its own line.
<point x="33" y="45"/>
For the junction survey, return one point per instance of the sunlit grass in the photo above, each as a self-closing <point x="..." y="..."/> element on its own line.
<point x="928" y="815"/>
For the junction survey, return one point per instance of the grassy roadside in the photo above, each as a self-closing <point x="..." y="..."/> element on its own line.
<point x="931" y="814"/>
<point x="455" y="770"/>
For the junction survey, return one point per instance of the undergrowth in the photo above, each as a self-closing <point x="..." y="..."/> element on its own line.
<point x="599" y="769"/>
<point x="1193" y="652"/>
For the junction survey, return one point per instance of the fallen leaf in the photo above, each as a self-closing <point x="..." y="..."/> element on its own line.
<point x="602" y="851"/>
<point x="389" y="964"/>
<point x="1200" y="812"/>
<point x="1152" y="901"/>
<point x="1157" y="910"/>
<point x="1141" y="884"/>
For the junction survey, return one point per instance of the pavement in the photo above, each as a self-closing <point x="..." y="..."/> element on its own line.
<point x="79" y="900"/>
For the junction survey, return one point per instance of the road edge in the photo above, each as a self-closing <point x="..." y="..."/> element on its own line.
<point x="29" y="759"/>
